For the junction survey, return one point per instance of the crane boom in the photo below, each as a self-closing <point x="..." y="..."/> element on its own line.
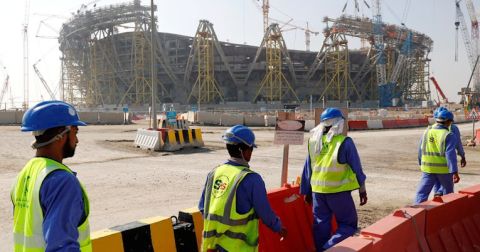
<point x="460" y="22"/>
<point x="4" y="89"/>
<point x="25" y="56"/>
<point x="52" y="96"/>
<point x="445" y="100"/>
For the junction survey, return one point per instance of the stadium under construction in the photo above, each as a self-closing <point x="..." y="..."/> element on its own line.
<point x="106" y="60"/>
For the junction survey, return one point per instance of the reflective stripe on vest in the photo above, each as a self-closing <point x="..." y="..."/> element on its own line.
<point x="222" y="224"/>
<point x="433" y="151"/>
<point x="28" y="215"/>
<point x="328" y="176"/>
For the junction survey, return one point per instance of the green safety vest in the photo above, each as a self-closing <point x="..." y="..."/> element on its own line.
<point x="328" y="176"/>
<point x="435" y="124"/>
<point x="28" y="214"/>
<point x="433" y="151"/>
<point x="222" y="224"/>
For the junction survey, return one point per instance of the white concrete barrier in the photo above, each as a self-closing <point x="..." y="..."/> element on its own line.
<point x="254" y="121"/>
<point x="111" y="118"/>
<point x="19" y="117"/>
<point x="232" y="120"/>
<point x="8" y="117"/>
<point x="374" y="125"/>
<point x="272" y="120"/>
<point x="88" y="117"/>
<point x="208" y="118"/>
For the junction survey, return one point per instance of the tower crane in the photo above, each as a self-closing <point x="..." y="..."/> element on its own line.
<point x="25" y="55"/>
<point x="52" y="96"/>
<point x="307" y="32"/>
<point x="379" y="45"/>
<point x="264" y="9"/>
<point x="4" y="89"/>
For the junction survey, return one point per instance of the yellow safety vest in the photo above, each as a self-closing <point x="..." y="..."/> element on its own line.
<point x="328" y="176"/>
<point x="28" y="214"/>
<point x="222" y="224"/>
<point x="433" y="151"/>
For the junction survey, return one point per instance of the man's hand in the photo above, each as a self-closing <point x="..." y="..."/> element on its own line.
<point x="308" y="199"/>
<point x="463" y="162"/>
<point x="456" y="178"/>
<point x="283" y="233"/>
<point x="363" y="198"/>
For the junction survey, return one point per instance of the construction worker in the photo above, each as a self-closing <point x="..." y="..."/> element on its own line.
<point x="437" y="157"/>
<point x="234" y="198"/>
<point x="51" y="207"/>
<point x="332" y="170"/>
<point x="437" y="188"/>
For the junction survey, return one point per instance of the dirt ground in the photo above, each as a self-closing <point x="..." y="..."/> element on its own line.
<point x="127" y="184"/>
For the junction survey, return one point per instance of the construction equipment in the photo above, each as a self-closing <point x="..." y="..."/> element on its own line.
<point x="307" y="31"/>
<point x="52" y="96"/>
<point x="264" y="9"/>
<point x="4" y="89"/>
<point x="444" y="99"/>
<point x="25" y="55"/>
<point x="380" y="46"/>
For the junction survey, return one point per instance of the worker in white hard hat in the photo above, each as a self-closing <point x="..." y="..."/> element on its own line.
<point x="51" y="207"/>
<point x="437" y="158"/>
<point x="332" y="170"/>
<point x="233" y="186"/>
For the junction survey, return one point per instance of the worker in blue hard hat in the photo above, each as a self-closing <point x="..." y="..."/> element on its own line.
<point x="51" y="207"/>
<point x="332" y="170"/>
<point x="234" y="198"/>
<point x="437" y="157"/>
<point x="437" y="188"/>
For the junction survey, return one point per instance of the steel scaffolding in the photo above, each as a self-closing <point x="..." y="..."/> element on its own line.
<point x="274" y="86"/>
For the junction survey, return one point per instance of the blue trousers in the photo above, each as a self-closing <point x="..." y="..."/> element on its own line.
<point x="342" y="206"/>
<point x="428" y="181"/>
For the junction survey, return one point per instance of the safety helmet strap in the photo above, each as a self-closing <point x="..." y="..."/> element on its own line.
<point x="59" y="136"/>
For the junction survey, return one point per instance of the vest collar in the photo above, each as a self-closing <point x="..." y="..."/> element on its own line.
<point x="239" y="161"/>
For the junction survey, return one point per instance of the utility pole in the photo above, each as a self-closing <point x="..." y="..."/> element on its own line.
<point x="153" y="69"/>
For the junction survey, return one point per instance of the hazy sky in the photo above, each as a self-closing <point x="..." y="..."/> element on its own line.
<point x="238" y="21"/>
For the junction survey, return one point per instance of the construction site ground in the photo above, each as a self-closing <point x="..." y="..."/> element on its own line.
<point x="126" y="184"/>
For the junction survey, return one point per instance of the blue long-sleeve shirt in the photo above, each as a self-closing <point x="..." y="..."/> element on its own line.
<point x="251" y="192"/>
<point x="61" y="199"/>
<point x="347" y="153"/>
<point x="450" y="145"/>
<point x="459" y="145"/>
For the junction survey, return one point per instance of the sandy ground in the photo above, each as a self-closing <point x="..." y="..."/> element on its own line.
<point x="127" y="184"/>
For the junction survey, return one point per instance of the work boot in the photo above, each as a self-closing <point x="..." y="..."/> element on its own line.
<point x="438" y="194"/>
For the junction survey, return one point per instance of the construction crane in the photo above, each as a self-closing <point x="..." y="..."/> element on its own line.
<point x="469" y="46"/>
<point x="4" y="89"/>
<point x="25" y="55"/>
<point x="444" y="98"/>
<point x="52" y="96"/>
<point x="264" y="9"/>
<point x="307" y="31"/>
<point x="379" y="46"/>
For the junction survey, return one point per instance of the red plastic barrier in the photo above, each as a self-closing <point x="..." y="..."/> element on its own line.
<point x="296" y="216"/>
<point x="423" y="122"/>
<point x="403" y="123"/>
<point x="389" y="124"/>
<point x="353" y="244"/>
<point x="413" y="122"/>
<point x="398" y="231"/>
<point x="477" y="136"/>
<point x="357" y="125"/>
<point x="447" y="227"/>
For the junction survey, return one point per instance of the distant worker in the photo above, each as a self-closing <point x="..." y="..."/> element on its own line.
<point x="437" y="188"/>
<point x="234" y="198"/>
<point x="51" y="207"/>
<point x="332" y="170"/>
<point x="437" y="157"/>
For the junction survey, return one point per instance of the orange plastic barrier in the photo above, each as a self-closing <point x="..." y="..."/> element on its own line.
<point x="447" y="224"/>
<point x="413" y="122"/>
<point x="477" y="136"/>
<point x="399" y="231"/>
<point x="296" y="216"/>
<point x="423" y="122"/>
<point x="357" y="125"/>
<point x="389" y="124"/>
<point x="403" y="123"/>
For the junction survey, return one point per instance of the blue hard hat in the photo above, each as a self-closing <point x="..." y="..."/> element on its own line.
<point x="239" y="134"/>
<point x="50" y="114"/>
<point x="331" y="113"/>
<point x="438" y="110"/>
<point x="445" y="114"/>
